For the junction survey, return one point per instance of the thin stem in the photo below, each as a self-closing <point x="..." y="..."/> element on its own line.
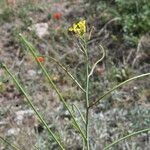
<point x="11" y="145"/>
<point x="125" y="137"/>
<point x="83" y="147"/>
<point x="82" y="117"/>
<point x="87" y="99"/>
<point x="87" y="129"/>
<point x="117" y="86"/>
<point x="103" y="55"/>
<point x="33" y="107"/>
<point x="36" y="147"/>
<point x="84" y="47"/>
<point x="68" y="73"/>
<point x="31" y="49"/>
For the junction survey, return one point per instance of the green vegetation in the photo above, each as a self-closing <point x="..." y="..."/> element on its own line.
<point x="72" y="63"/>
<point x="134" y="15"/>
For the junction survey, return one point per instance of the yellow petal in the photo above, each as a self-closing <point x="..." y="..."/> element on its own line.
<point x="79" y="28"/>
<point x="70" y="29"/>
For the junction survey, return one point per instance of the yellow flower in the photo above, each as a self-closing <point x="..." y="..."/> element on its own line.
<point x="79" y="28"/>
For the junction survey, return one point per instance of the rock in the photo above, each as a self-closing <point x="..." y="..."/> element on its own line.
<point x="2" y="123"/>
<point x="13" y="131"/>
<point x="31" y="73"/>
<point x="20" y="115"/>
<point x="41" y="29"/>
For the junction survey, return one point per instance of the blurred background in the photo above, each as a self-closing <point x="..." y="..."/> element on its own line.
<point x="121" y="27"/>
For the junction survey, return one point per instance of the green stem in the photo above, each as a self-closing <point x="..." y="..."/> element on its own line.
<point x="94" y="66"/>
<point x="84" y="47"/>
<point x="36" y="147"/>
<point x="33" y="107"/>
<point x="68" y="73"/>
<point x="31" y="49"/>
<point x="87" y="102"/>
<point x="11" y="145"/>
<point x="125" y="137"/>
<point x="117" y="86"/>
<point x="81" y="115"/>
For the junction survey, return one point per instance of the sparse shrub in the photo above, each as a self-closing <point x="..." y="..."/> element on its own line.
<point x="134" y="15"/>
<point x="6" y="15"/>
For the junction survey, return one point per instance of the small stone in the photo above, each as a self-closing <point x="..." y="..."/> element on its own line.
<point x="13" y="131"/>
<point x="41" y="29"/>
<point x="20" y="115"/>
<point x="31" y="73"/>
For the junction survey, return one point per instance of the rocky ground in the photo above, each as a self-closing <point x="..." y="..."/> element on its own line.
<point x="124" y="111"/>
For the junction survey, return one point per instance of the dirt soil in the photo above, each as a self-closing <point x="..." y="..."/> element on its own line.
<point x="124" y="111"/>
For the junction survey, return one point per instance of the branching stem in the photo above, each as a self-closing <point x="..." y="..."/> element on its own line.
<point x="117" y="86"/>
<point x="32" y="51"/>
<point x="126" y="137"/>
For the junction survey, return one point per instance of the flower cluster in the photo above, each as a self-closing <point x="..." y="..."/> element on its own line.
<point x="79" y="28"/>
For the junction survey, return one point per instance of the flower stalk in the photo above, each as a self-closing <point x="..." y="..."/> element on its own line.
<point x="87" y="100"/>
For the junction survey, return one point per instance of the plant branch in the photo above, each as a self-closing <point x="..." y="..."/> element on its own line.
<point x="33" y="107"/>
<point x="92" y="70"/>
<point x="11" y="145"/>
<point x="32" y="51"/>
<point x="82" y="117"/>
<point x="117" y="86"/>
<point x="125" y="137"/>
<point x="68" y="73"/>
